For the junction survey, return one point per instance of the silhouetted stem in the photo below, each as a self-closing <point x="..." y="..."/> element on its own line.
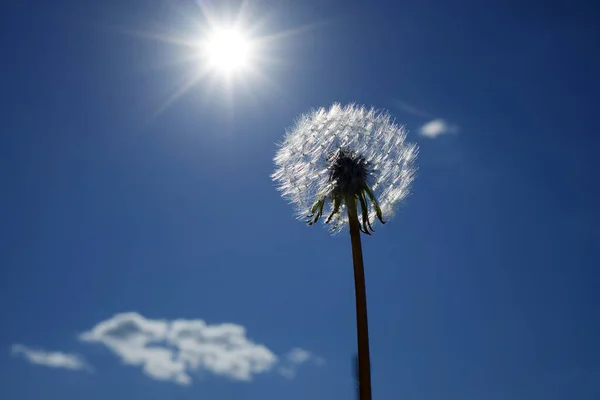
<point x="355" y="372"/>
<point x="362" y="327"/>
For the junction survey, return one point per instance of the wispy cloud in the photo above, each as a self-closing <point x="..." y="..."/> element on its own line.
<point x="52" y="359"/>
<point x="404" y="106"/>
<point x="170" y="350"/>
<point x="296" y="357"/>
<point x="437" y="127"/>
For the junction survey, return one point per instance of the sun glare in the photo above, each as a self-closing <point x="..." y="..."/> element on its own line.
<point x="227" y="50"/>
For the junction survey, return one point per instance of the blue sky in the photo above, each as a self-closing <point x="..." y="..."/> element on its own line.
<point x="127" y="218"/>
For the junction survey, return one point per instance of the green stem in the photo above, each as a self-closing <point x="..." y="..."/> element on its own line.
<point x="362" y="327"/>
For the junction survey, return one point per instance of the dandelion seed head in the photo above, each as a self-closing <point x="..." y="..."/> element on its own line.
<point x="339" y="151"/>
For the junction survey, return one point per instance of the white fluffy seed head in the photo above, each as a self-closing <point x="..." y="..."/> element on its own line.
<point x="302" y="161"/>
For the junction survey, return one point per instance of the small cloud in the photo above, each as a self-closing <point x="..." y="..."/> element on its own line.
<point x="298" y="356"/>
<point x="295" y="358"/>
<point x="437" y="127"/>
<point x="52" y="359"/>
<point x="432" y="129"/>
<point x="172" y="350"/>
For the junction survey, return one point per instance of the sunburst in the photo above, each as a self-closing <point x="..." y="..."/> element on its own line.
<point x="222" y="51"/>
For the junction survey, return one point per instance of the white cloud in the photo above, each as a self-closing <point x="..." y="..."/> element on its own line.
<point x="172" y="350"/>
<point x="432" y="129"/>
<point x="52" y="359"/>
<point x="437" y="127"/>
<point x="295" y="358"/>
<point x="298" y="356"/>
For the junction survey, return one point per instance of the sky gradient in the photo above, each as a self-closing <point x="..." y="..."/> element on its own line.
<point x="133" y="219"/>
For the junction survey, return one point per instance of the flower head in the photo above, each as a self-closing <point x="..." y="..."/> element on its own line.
<point x="341" y="154"/>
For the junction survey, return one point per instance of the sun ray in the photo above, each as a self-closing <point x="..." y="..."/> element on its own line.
<point x="225" y="51"/>
<point x="180" y="91"/>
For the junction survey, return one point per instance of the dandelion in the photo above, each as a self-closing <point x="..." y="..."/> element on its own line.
<point x="333" y="162"/>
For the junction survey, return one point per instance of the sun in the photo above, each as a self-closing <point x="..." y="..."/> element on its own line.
<point x="227" y="50"/>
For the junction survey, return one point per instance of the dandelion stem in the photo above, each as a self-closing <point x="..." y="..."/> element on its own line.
<point x="362" y="328"/>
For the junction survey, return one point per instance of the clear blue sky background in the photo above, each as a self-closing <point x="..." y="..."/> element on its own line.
<point x="485" y="285"/>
